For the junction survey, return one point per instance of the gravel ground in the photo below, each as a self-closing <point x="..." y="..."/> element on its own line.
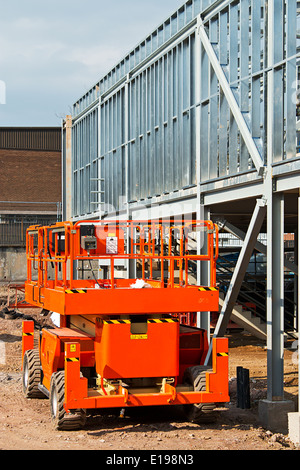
<point x="25" y="424"/>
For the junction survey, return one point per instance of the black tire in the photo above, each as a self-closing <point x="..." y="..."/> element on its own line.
<point x="62" y="420"/>
<point x="31" y="374"/>
<point x="199" y="412"/>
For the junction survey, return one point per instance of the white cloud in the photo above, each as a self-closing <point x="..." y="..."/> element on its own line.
<point x="95" y="56"/>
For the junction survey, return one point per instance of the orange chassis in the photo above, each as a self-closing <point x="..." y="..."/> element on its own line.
<point x="77" y="394"/>
<point x="120" y="332"/>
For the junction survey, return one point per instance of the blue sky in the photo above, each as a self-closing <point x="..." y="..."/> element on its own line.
<point x="52" y="52"/>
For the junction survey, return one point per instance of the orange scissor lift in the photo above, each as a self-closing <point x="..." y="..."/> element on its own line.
<point x="122" y="290"/>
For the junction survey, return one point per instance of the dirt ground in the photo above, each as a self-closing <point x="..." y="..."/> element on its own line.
<point x="25" y="424"/>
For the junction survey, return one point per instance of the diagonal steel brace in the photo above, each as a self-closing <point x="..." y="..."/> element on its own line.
<point x="234" y="107"/>
<point x="240" y="269"/>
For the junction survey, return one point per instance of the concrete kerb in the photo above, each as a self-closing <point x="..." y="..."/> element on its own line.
<point x="273" y="415"/>
<point x="294" y="427"/>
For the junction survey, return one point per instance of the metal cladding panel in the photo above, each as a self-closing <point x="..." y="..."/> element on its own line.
<point x="167" y="117"/>
<point x="162" y="124"/>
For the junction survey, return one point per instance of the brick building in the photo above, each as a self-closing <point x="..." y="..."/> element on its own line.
<point x="30" y="190"/>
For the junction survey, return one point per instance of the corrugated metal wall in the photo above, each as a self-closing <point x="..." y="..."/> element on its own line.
<point x="30" y="139"/>
<point x="145" y="125"/>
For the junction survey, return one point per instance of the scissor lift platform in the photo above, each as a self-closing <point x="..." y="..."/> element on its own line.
<point x="120" y="342"/>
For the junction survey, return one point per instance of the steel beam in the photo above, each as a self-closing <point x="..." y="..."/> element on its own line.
<point x="240" y="269"/>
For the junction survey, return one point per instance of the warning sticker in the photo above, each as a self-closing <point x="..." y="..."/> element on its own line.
<point x="112" y="245"/>
<point x="138" y="336"/>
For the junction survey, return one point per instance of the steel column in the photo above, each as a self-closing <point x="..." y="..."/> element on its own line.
<point x="275" y="231"/>
<point x="203" y="273"/>
<point x="275" y="297"/>
<point x="67" y="170"/>
<point x="203" y="318"/>
<point x="298" y="300"/>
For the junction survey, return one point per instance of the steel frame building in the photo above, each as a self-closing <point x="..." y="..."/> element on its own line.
<point x="201" y="117"/>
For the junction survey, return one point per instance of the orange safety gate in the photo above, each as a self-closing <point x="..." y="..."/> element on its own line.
<point x="55" y="252"/>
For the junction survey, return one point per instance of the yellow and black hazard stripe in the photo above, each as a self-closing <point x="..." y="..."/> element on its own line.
<point x="151" y="320"/>
<point x="27" y="334"/>
<point x="76" y="291"/>
<point x="223" y="354"/>
<point x="116" y="322"/>
<point x="163" y="320"/>
<point x="72" y="359"/>
<point x="207" y="289"/>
